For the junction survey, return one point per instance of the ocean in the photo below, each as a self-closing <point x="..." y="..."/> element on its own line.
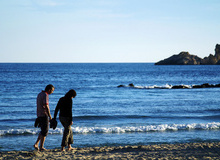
<point x="150" y="112"/>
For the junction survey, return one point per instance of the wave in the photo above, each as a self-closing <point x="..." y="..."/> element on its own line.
<point x="167" y="86"/>
<point x="124" y="129"/>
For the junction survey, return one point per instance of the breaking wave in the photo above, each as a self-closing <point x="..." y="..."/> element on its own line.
<point x="124" y="129"/>
<point x="168" y="86"/>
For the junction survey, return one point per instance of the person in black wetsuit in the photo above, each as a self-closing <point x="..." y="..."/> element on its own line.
<point x="64" y="105"/>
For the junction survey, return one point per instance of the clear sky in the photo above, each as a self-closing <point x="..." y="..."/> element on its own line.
<point x="106" y="30"/>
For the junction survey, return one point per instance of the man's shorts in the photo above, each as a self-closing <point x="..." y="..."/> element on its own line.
<point x="44" y="125"/>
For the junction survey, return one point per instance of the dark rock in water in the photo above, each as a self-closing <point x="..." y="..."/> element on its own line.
<point x="217" y="85"/>
<point x="121" y="86"/>
<point x="210" y="60"/>
<point x="196" y="86"/>
<point x="179" y="87"/>
<point x="131" y="85"/>
<point x="217" y="51"/>
<point x="205" y="85"/>
<point x="184" y="58"/>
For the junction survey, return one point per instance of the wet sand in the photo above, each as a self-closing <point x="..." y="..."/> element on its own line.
<point x="164" y="151"/>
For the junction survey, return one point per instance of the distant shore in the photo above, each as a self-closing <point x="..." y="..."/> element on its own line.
<point x="163" y="151"/>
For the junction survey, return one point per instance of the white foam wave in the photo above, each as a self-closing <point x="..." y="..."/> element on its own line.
<point x="149" y="128"/>
<point x="28" y="131"/>
<point x="126" y="129"/>
<point x="166" y="86"/>
<point x="18" y="131"/>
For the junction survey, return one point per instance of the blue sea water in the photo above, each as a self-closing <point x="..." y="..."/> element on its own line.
<point x="103" y="114"/>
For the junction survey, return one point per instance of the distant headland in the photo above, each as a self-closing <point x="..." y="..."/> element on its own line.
<point x="184" y="58"/>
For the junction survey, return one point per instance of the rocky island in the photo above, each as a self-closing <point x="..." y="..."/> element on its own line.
<point x="184" y="58"/>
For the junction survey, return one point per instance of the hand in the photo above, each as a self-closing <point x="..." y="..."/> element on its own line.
<point x="71" y="123"/>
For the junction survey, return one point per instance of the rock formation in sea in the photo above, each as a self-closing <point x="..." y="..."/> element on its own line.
<point x="184" y="58"/>
<point x="205" y="85"/>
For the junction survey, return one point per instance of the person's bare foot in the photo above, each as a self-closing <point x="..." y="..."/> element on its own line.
<point x="63" y="149"/>
<point x="36" y="147"/>
<point x="43" y="149"/>
<point x="70" y="149"/>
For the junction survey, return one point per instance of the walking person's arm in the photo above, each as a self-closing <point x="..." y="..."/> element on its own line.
<point x="56" y="109"/>
<point x="48" y="111"/>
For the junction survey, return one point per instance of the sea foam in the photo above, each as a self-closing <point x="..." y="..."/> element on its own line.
<point x="124" y="129"/>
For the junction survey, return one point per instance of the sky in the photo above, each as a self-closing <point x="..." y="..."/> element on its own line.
<point x="102" y="31"/>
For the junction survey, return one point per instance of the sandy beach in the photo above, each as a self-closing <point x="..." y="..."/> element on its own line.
<point x="163" y="151"/>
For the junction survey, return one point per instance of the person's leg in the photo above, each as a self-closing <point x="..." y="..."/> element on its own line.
<point x="62" y="148"/>
<point x="44" y="124"/>
<point x="65" y="122"/>
<point x="42" y="140"/>
<point x="65" y="136"/>
<point x="70" y="141"/>
<point x="37" y="142"/>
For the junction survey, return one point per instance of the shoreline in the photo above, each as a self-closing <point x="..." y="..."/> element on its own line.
<point x="161" y="151"/>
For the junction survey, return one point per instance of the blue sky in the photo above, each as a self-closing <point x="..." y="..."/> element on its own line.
<point x="106" y="30"/>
